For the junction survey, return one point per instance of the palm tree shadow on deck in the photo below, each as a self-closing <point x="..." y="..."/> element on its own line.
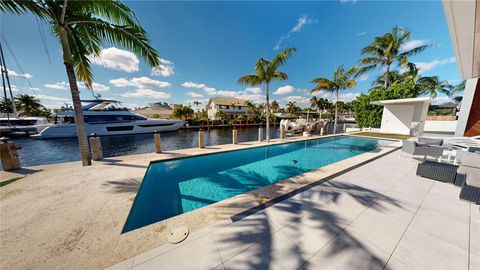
<point x="130" y="185"/>
<point x="257" y="227"/>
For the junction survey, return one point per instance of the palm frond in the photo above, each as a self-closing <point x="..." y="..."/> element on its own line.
<point x="279" y="76"/>
<point x="323" y="84"/>
<point x="250" y="80"/>
<point x="282" y="57"/>
<point x="129" y="37"/>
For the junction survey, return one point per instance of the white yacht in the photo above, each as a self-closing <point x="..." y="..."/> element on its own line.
<point x="104" y="118"/>
<point x="34" y="125"/>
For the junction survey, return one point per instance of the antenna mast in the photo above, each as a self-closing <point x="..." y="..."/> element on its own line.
<point x="5" y="71"/>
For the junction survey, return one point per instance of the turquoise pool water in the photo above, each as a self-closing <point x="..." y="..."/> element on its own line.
<point x="173" y="187"/>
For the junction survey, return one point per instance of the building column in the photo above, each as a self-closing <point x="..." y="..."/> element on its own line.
<point x="468" y="123"/>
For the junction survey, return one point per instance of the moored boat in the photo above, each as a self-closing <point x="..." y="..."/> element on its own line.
<point x="105" y="118"/>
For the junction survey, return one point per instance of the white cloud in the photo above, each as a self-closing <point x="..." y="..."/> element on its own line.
<point x="193" y="85"/>
<point x="120" y="82"/>
<point x="427" y="66"/>
<point x="17" y="89"/>
<point x="165" y="69"/>
<point x="361" y="34"/>
<point x="208" y="90"/>
<point x="413" y="44"/>
<point x="95" y="86"/>
<point x="253" y="90"/>
<point x="301" y="22"/>
<point x="345" y="97"/>
<point x="284" y="90"/>
<point x="63" y="85"/>
<point x="58" y="85"/>
<point x="117" y="59"/>
<point x="363" y="77"/>
<point x="301" y="100"/>
<point x="51" y="98"/>
<point x="144" y="82"/>
<point x="146" y="93"/>
<point x="349" y="1"/>
<point x="13" y="73"/>
<point x="139" y="82"/>
<point x="193" y="94"/>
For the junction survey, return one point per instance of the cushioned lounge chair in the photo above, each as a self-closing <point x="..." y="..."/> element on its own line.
<point x="420" y="149"/>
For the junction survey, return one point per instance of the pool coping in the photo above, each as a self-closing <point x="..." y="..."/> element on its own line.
<point x="230" y="210"/>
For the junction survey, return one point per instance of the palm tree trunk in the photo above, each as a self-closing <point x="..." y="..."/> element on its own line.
<point x="336" y="113"/>
<point x="268" y="113"/>
<point x="77" y="105"/>
<point x="386" y="77"/>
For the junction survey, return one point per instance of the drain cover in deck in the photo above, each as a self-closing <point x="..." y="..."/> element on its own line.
<point x="177" y="235"/>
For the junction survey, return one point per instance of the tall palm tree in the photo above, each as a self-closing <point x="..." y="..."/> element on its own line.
<point x="319" y="104"/>
<point x="274" y="107"/>
<point x="342" y="79"/>
<point x="266" y="72"/>
<point x="30" y="105"/>
<point x="197" y="103"/>
<point x="387" y="50"/>
<point x="82" y="27"/>
<point x="291" y="107"/>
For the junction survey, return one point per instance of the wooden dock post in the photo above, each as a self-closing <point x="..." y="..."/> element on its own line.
<point x="158" y="144"/>
<point x="235" y="136"/>
<point x="260" y="134"/>
<point x="96" y="146"/>
<point x="201" y="139"/>
<point x="8" y="155"/>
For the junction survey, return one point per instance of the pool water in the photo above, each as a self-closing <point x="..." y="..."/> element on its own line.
<point x="173" y="187"/>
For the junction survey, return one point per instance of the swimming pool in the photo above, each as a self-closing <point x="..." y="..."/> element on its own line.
<point x="177" y="186"/>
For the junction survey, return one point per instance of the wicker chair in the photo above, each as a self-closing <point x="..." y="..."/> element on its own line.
<point x="415" y="149"/>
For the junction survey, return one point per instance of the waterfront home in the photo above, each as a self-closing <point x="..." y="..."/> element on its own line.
<point x="231" y="107"/>
<point x="157" y="110"/>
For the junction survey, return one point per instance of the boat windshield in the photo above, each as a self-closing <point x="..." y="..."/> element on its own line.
<point x="103" y="105"/>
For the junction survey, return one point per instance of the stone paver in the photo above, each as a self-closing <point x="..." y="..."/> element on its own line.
<point x="350" y="222"/>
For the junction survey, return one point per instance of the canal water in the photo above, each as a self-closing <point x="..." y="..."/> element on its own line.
<point x="38" y="152"/>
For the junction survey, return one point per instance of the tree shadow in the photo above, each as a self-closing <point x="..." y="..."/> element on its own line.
<point x="331" y="223"/>
<point x="130" y="185"/>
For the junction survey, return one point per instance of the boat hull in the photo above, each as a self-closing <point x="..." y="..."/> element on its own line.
<point x="126" y="128"/>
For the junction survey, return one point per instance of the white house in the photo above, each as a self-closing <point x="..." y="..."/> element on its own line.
<point x="404" y="116"/>
<point x="231" y="107"/>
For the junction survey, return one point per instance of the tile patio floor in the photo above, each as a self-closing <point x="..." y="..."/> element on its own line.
<point x="378" y="216"/>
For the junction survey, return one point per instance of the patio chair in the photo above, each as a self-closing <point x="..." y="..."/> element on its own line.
<point x="415" y="149"/>
<point x="470" y="172"/>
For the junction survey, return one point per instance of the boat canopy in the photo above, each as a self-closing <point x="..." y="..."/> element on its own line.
<point x="103" y="105"/>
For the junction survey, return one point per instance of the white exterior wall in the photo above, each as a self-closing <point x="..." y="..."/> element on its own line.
<point x="397" y="119"/>
<point x="214" y="108"/>
<point x="440" y="126"/>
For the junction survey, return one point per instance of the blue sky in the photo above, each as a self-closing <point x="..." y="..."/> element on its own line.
<point x="206" y="46"/>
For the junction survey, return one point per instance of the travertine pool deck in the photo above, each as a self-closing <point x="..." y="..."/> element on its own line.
<point x="66" y="216"/>
<point x="377" y="216"/>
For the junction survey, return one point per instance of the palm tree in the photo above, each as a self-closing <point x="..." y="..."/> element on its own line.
<point x="266" y="72"/>
<point x="30" y="105"/>
<point x="197" y="103"/>
<point x="342" y="79"/>
<point x="6" y="105"/>
<point x="319" y="104"/>
<point x="387" y="50"/>
<point x="82" y="27"/>
<point x="291" y="107"/>
<point x="274" y="107"/>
